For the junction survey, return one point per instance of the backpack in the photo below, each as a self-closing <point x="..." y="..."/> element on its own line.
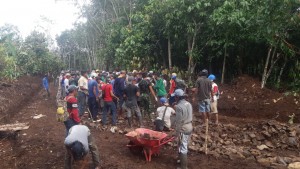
<point x="160" y="123"/>
<point x="180" y="84"/>
<point x="143" y="85"/>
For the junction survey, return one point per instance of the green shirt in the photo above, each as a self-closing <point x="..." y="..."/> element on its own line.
<point x="160" y="88"/>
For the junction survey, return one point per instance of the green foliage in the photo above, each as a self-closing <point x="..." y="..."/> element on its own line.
<point x="31" y="56"/>
<point x="134" y="34"/>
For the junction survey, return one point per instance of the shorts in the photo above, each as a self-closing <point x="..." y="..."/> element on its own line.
<point x="204" y="106"/>
<point x="134" y="109"/>
<point x="214" y="107"/>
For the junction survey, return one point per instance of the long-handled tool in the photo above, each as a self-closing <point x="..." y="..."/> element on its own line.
<point x="206" y="135"/>
<point x="90" y="114"/>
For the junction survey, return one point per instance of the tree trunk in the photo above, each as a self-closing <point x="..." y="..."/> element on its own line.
<point x="224" y="64"/>
<point x="264" y="76"/>
<point x="273" y="61"/>
<point x="281" y="71"/>
<point x="169" y="52"/>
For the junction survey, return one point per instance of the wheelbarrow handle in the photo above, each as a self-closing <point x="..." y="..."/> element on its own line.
<point x="166" y="140"/>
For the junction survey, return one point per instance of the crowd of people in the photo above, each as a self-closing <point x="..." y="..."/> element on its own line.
<point x="124" y="95"/>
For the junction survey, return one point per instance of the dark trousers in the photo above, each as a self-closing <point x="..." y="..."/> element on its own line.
<point x="109" y="105"/>
<point x="93" y="106"/>
<point x="81" y="102"/>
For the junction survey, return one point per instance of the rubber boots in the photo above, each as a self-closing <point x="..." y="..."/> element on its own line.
<point x="129" y="121"/>
<point x="183" y="161"/>
<point x="140" y="121"/>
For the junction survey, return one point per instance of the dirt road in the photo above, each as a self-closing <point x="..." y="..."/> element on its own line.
<point x="41" y="146"/>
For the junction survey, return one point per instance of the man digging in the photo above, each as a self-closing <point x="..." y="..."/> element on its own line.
<point x="78" y="143"/>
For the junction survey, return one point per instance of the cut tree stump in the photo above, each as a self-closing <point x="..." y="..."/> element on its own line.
<point x="14" y="127"/>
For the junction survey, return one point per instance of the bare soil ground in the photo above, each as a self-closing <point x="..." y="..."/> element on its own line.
<point x="41" y="146"/>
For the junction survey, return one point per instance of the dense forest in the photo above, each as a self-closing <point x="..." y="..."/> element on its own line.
<point x="227" y="37"/>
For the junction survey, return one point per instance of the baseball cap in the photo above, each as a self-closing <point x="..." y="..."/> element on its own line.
<point x="71" y="88"/>
<point x="68" y="74"/>
<point x="211" y="77"/>
<point x="77" y="150"/>
<point x="163" y="100"/>
<point x="178" y="92"/>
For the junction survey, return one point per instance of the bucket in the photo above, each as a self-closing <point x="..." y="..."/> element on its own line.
<point x="60" y="114"/>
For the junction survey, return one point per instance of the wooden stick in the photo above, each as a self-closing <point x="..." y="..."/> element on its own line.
<point x="206" y="135"/>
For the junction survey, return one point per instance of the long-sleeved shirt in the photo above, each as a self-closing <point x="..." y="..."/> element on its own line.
<point x="184" y="117"/>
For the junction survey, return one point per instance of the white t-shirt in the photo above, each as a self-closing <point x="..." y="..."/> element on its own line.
<point x="165" y="83"/>
<point x="169" y="112"/>
<point x="215" y="88"/>
<point x="66" y="82"/>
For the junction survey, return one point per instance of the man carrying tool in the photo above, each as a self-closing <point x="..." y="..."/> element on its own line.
<point x="184" y="127"/>
<point x="78" y="143"/>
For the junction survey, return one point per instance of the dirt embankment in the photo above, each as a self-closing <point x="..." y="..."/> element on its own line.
<point x="245" y="99"/>
<point x="15" y="94"/>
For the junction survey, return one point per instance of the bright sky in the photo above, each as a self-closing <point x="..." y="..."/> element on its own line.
<point x="27" y="14"/>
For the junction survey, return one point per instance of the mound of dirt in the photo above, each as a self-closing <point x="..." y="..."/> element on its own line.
<point x="244" y="98"/>
<point x="14" y="94"/>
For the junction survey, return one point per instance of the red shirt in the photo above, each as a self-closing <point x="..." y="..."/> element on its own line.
<point x="107" y="89"/>
<point x="73" y="112"/>
<point x="172" y="86"/>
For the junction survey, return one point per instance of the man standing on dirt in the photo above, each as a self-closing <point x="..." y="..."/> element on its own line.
<point x="159" y="86"/>
<point x="78" y="143"/>
<point x="72" y="108"/>
<point x="67" y="82"/>
<point x="108" y="95"/>
<point x="131" y="93"/>
<point x="216" y="95"/>
<point x="46" y="84"/>
<point x="172" y="88"/>
<point x="145" y="90"/>
<point x="93" y="99"/>
<point x="184" y="127"/>
<point x="119" y="86"/>
<point x="204" y="92"/>
<point x="82" y="92"/>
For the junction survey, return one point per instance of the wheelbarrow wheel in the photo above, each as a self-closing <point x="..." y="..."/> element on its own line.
<point x="134" y="149"/>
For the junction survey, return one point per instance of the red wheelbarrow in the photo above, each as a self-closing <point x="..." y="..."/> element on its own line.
<point x="148" y="141"/>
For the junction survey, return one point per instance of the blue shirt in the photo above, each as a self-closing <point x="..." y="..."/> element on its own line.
<point x="45" y="83"/>
<point x="119" y="86"/>
<point x="112" y="82"/>
<point x="91" y="84"/>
